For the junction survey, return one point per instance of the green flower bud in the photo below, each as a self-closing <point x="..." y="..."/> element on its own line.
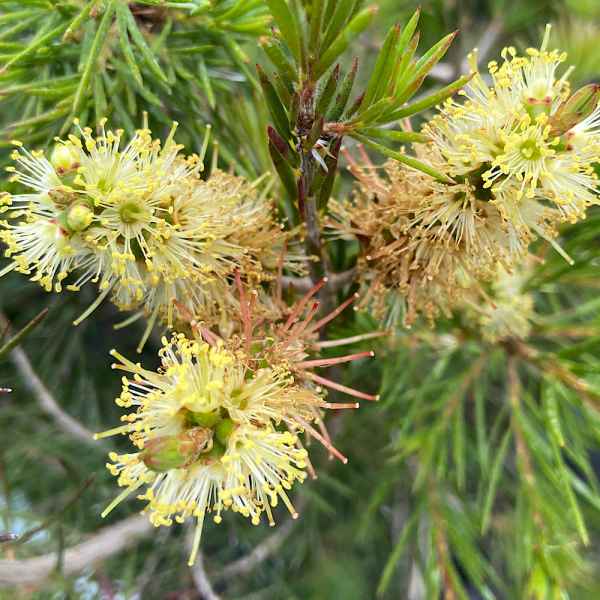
<point x="176" y="452"/>
<point x="575" y="109"/>
<point x="62" y="196"/>
<point x="204" y="419"/>
<point x="79" y="217"/>
<point x="224" y="430"/>
<point x="64" y="158"/>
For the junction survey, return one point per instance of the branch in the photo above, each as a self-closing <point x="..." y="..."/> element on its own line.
<point x="45" y="399"/>
<point x="271" y="544"/>
<point x="107" y="542"/>
<point x="201" y="580"/>
<point x="244" y="565"/>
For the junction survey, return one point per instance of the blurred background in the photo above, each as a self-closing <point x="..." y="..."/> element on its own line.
<point x="53" y="484"/>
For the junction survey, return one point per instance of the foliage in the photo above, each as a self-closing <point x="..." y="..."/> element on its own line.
<point x="476" y="474"/>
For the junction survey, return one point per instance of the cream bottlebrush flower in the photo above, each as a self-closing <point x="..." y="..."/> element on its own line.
<point x="209" y="425"/>
<point x="525" y="138"/>
<point x="423" y="242"/>
<point x="103" y="197"/>
<point x="219" y="225"/>
<point x="139" y="221"/>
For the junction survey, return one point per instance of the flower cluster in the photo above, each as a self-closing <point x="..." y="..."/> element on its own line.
<point x="519" y="157"/>
<point x="217" y="427"/>
<point x="526" y="142"/>
<point x="140" y="222"/>
<point x="424" y="243"/>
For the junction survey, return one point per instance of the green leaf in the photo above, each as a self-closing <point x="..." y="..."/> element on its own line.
<point x="396" y="554"/>
<point x="428" y="101"/>
<point x="78" y="20"/>
<point x="20" y="26"/>
<point x="371" y="114"/>
<point x="23" y="333"/>
<point x="327" y="92"/>
<point x="241" y="59"/>
<point x="395" y="136"/>
<point x="38" y="42"/>
<point x="458" y="446"/>
<point x="343" y="11"/>
<point x="403" y="158"/>
<point x="356" y="26"/>
<point x="125" y="45"/>
<point x="325" y="186"/>
<point x="139" y="40"/>
<point x="288" y="25"/>
<point x="278" y="112"/>
<point x="550" y="405"/>
<point x="205" y="82"/>
<point x="495" y="472"/>
<point x="342" y="98"/>
<point x="86" y="75"/>
<point x="565" y="479"/>
<point x="423" y="66"/>
<point x="403" y="70"/>
<point x="379" y="79"/>
<point x="283" y="168"/>
<point x="100" y="104"/>
<point x="316" y="22"/>
<point x="277" y="56"/>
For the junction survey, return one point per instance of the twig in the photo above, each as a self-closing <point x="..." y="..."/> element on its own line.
<point x="44" y="525"/>
<point x="45" y="399"/>
<point x="261" y="552"/>
<point x="201" y="580"/>
<point x="106" y="542"/>
<point x="548" y="365"/>
<point x="16" y="339"/>
<point x="246" y="564"/>
<point x="441" y="544"/>
<point x="148" y="569"/>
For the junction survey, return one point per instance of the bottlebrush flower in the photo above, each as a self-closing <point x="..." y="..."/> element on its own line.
<point x="218" y="426"/>
<point x="140" y="222"/>
<point x="525" y="139"/>
<point x="424" y="243"/>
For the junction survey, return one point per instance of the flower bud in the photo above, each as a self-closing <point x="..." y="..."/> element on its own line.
<point x="224" y="430"/>
<point x="64" y="158"/>
<point x="166" y="453"/>
<point x="62" y="196"/>
<point x="575" y="109"/>
<point x="79" y="217"/>
<point x="204" y="419"/>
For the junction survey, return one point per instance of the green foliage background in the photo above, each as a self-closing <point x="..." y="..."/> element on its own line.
<point x="366" y="527"/>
